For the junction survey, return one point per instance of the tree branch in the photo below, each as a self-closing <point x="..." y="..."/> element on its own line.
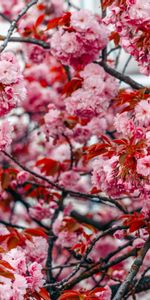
<point x="120" y="76"/>
<point x="14" y="23"/>
<point x="133" y="271"/>
<point x="26" y="40"/>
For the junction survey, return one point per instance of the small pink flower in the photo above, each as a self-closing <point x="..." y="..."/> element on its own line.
<point x="35" y="279"/>
<point x="22" y="177"/>
<point x="142" y="111"/>
<point x="5" y="135"/>
<point x="138" y="243"/>
<point x="143" y="166"/>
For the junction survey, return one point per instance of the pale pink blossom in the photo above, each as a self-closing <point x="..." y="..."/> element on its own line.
<point x="12" y="87"/>
<point x="138" y="243"/>
<point x="143" y="166"/>
<point x="42" y="210"/>
<point x="82" y="46"/>
<point x="19" y="287"/>
<point x="142" y="112"/>
<point x="6" y="130"/>
<point x="124" y="124"/>
<point x="35" y="279"/>
<point x="22" y="177"/>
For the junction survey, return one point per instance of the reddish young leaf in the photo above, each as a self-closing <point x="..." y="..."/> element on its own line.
<point x="5" y="180"/>
<point x="12" y="242"/>
<point x="70" y="295"/>
<point x="49" y="166"/>
<point x="35" y="232"/>
<point x="44" y="294"/>
<point x="53" y="23"/>
<point x="95" y="150"/>
<point x="39" y="20"/>
<point x="5" y="264"/>
<point x="5" y="273"/>
<point x="61" y="21"/>
<point x="115" y="37"/>
<point x="72" y="86"/>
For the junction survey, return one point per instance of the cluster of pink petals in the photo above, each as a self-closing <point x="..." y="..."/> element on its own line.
<point x="38" y="98"/>
<point x="135" y="126"/>
<point x="6" y="130"/>
<point x="53" y="7"/>
<point x="93" y="98"/>
<point x="28" y="275"/>
<point x="132" y="22"/>
<point x="12" y="7"/>
<point x="12" y="86"/>
<point x="82" y="43"/>
<point x="42" y="210"/>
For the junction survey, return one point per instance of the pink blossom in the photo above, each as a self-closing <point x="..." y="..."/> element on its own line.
<point x="5" y="134"/>
<point x="35" y="279"/>
<point x="22" y="176"/>
<point x="66" y="239"/>
<point x="12" y="88"/>
<point x="42" y="210"/>
<point x="19" y="287"/>
<point x="98" y="86"/>
<point x="81" y="46"/>
<point x="35" y="54"/>
<point x="36" y="250"/>
<point x="143" y="166"/>
<point x="142" y="111"/>
<point x="123" y="124"/>
<point x="138" y="243"/>
<point x="17" y="259"/>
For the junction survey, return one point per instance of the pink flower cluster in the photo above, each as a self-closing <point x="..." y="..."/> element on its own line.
<point x="28" y="274"/>
<point x="79" y="43"/>
<point x="93" y="98"/>
<point x="42" y="210"/>
<point x="131" y="20"/>
<point x="5" y="134"/>
<point x="127" y="169"/>
<point x="12" y="87"/>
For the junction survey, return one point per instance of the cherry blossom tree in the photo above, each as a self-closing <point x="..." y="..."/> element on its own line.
<point x="74" y="151"/>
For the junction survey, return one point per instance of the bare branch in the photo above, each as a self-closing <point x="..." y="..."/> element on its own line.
<point x="14" y="23"/>
<point x="121" y="76"/>
<point x="133" y="271"/>
<point x="26" y="40"/>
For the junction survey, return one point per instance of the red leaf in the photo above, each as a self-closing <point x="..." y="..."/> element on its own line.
<point x="12" y="242"/>
<point x="43" y="294"/>
<point x="61" y="21"/>
<point x="5" y="180"/>
<point x="96" y="150"/>
<point x="72" y="86"/>
<point x="106" y="139"/>
<point x="53" y="23"/>
<point x="6" y="264"/>
<point x="49" y="166"/>
<point x="70" y="295"/>
<point x="6" y="273"/>
<point x="121" y="142"/>
<point x="106" y="3"/>
<point x="115" y="37"/>
<point x="36" y="232"/>
<point x="39" y="20"/>
<point x="65" y="20"/>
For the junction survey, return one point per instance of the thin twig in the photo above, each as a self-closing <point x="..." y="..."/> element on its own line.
<point x="133" y="271"/>
<point x="14" y="23"/>
<point x="92" y="198"/>
<point x="30" y="40"/>
<point x="121" y="76"/>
